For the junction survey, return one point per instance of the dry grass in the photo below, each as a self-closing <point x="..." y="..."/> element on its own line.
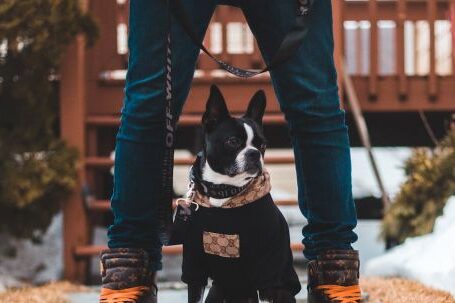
<point x="50" y="293"/>
<point x="396" y="290"/>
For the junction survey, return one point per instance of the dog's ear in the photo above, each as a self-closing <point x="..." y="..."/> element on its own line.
<point x="215" y="110"/>
<point x="256" y="108"/>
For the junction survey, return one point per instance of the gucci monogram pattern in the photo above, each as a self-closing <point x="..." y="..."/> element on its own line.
<point x="335" y="267"/>
<point x="124" y="268"/>
<point x="258" y="188"/>
<point x="227" y="246"/>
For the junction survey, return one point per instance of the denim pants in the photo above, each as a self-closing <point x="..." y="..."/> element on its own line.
<point x="305" y="86"/>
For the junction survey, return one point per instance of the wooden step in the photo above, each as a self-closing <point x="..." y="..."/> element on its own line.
<point x="105" y="205"/>
<point x="106" y="162"/>
<point x="185" y="120"/>
<point x="94" y="250"/>
<point x="117" y="77"/>
<point x="108" y="92"/>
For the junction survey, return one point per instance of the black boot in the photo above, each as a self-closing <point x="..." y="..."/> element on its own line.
<point x="334" y="277"/>
<point x="126" y="277"/>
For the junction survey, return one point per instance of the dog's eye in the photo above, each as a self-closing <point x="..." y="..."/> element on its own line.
<point x="233" y="142"/>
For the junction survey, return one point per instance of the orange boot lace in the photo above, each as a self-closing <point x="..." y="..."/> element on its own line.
<point x="127" y="295"/>
<point x="342" y="294"/>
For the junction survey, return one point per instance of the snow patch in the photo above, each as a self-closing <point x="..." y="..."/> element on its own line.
<point x="24" y="261"/>
<point x="429" y="259"/>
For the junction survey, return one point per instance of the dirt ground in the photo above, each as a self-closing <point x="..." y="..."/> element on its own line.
<point x="51" y="293"/>
<point x="396" y="290"/>
<point x="381" y="290"/>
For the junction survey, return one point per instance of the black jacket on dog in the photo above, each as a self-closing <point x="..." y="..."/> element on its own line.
<point x="243" y="249"/>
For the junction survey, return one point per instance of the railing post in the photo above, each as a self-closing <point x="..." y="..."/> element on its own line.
<point x="122" y="30"/>
<point x="373" y="79"/>
<point x="432" y="78"/>
<point x="452" y="22"/>
<point x="338" y="37"/>
<point x="72" y="118"/>
<point x="224" y="19"/>
<point x="400" y="61"/>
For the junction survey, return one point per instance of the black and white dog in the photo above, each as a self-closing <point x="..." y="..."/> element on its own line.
<point x="240" y="242"/>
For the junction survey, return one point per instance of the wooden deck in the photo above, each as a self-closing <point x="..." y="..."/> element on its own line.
<point x="399" y="53"/>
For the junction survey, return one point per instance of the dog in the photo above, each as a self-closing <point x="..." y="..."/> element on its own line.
<point x="236" y="236"/>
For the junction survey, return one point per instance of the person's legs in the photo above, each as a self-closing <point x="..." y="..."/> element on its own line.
<point x="306" y="87"/>
<point x="140" y="139"/>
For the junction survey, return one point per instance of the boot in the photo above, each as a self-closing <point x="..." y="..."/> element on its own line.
<point x="126" y="277"/>
<point x="334" y="277"/>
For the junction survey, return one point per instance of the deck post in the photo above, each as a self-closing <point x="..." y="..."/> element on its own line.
<point x="338" y="37"/>
<point x="72" y="121"/>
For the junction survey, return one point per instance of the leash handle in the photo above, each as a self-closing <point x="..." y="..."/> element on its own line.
<point x="287" y="49"/>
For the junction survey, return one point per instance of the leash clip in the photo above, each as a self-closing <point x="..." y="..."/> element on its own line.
<point x="189" y="197"/>
<point x="186" y="203"/>
<point x="304" y="7"/>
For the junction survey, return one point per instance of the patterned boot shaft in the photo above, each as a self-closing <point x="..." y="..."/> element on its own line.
<point x="126" y="277"/>
<point x="334" y="277"/>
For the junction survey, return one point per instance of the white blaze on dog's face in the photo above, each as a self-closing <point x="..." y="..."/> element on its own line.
<point x="233" y="147"/>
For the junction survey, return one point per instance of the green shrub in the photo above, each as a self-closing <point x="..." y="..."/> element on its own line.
<point x="37" y="169"/>
<point x="430" y="182"/>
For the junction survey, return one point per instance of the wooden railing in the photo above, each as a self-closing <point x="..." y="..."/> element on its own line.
<point x="400" y="52"/>
<point x="408" y="51"/>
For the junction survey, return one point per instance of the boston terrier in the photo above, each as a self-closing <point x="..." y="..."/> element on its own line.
<point x="237" y="236"/>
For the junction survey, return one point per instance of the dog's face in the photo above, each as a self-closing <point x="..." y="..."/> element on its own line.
<point x="234" y="147"/>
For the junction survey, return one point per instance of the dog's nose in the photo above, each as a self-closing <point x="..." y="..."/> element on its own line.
<point x="253" y="155"/>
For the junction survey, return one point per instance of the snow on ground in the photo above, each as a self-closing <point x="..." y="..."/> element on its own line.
<point x="429" y="259"/>
<point x="390" y="162"/>
<point x="23" y="261"/>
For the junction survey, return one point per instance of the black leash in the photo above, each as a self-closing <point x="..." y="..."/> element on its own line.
<point x="165" y="202"/>
<point x="287" y="49"/>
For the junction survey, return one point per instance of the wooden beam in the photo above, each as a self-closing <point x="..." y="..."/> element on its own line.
<point x="105" y="205"/>
<point x="386" y="10"/>
<point x="388" y="99"/>
<point x="94" y="250"/>
<point x="452" y="21"/>
<point x="338" y="38"/>
<point x="72" y="116"/>
<point x="373" y="78"/>
<point x="185" y="120"/>
<point x="432" y="80"/>
<point x="106" y="162"/>
<point x="400" y="49"/>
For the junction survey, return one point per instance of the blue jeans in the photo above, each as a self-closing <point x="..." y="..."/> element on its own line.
<point x="306" y="87"/>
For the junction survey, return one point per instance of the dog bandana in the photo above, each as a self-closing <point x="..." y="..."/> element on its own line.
<point x="255" y="189"/>
<point x="217" y="191"/>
